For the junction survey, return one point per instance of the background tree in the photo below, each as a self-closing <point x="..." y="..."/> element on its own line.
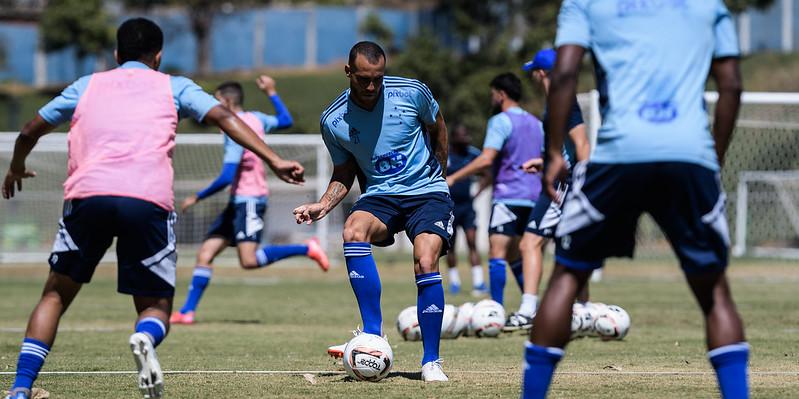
<point x="80" y="23"/>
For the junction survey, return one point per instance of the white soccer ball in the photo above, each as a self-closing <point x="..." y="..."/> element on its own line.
<point x="368" y="357"/>
<point x="408" y="324"/>
<point x="463" y="323"/>
<point x="488" y="318"/>
<point x="582" y="321"/>
<point x="612" y="323"/>
<point x="449" y="325"/>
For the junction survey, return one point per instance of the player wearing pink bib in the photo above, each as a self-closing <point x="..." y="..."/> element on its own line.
<point x="119" y="184"/>
<point x="241" y="224"/>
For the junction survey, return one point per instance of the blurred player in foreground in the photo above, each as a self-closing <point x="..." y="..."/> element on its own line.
<point x="655" y="154"/>
<point x="241" y="224"/>
<point x="513" y="138"/>
<point x="389" y="131"/>
<point x="461" y="152"/>
<point x="119" y="184"/>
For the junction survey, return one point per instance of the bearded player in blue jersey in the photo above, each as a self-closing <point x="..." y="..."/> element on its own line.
<point x="655" y="153"/>
<point x="388" y="131"/>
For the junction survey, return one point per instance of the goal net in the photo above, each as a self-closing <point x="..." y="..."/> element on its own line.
<point x="29" y="222"/>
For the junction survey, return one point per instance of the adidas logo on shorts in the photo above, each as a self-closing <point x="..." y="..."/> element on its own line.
<point x="440" y="225"/>
<point x="354" y="274"/>
<point x="240" y="236"/>
<point x="432" y="309"/>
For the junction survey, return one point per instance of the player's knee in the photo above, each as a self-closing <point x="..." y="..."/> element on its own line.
<point x="353" y="234"/>
<point x="428" y="264"/>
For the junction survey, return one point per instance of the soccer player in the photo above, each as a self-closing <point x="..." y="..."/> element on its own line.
<point x="546" y="214"/>
<point x="513" y="137"/>
<point x="389" y="131"/>
<point x="655" y="154"/>
<point x="241" y="223"/>
<point x="119" y="184"/>
<point x="461" y="152"/>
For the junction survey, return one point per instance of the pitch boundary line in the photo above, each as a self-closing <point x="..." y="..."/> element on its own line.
<point x="334" y="372"/>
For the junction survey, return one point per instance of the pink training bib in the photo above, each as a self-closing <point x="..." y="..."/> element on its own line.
<point x="251" y="177"/>
<point x="122" y="136"/>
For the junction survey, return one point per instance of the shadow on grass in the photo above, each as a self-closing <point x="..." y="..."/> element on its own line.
<point x="414" y="376"/>
<point x="238" y="321"/>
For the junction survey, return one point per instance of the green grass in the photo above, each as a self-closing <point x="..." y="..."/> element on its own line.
<point x="283" y="318"/>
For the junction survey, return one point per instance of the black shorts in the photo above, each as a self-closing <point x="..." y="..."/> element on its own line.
<point x="509" y="220"/>
<point x="545" y="216"/>
<point x="146" y="253"/>
<point x="240" y="222"/>
<point x="464" y="216"/>
<point x="606" y="200"/>
<point x="426" y="213"/>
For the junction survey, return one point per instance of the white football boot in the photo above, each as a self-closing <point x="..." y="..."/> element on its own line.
<point x="151" y="378"/>
<point x="433" y="372"/>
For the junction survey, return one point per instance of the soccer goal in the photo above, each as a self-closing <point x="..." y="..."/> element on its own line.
<point x="760" y="176"/>
<point x="29" y="222"/>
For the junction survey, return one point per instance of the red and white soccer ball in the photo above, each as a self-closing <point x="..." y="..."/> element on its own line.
<point x="488" y="318"/>
<point x="449" y="325"/>
<point x="368" y="357"/>
<point x="612" y="323"/>
<point x="582" y="321"/>
<point x="408" y="324"/>
<point x="463" y="323"/>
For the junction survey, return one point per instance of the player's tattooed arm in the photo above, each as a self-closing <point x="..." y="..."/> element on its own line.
<point x="440" y="137"/>
<point x="340" y="184"/>
<point x="727" y="74"/>
<point x="26" y="140"/>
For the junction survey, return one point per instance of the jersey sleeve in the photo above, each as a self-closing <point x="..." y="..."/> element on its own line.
<point x="724" y="29"/>
<point x="575" y="116"/>
<point x="573" y="24"/>
<point x="60" y="109"/>
<point x="233" y="151"/>
<point x="427" y="105"/>
<point x="497" y="133"/>
<point x="190" y="99"/>
<point x="270" y="122"/>
<point x="338" y="154"/>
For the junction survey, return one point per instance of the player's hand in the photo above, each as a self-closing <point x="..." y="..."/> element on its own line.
<point x="188" y="203"/>
<point x="309" y="213"/>
<point x="266" y="84"/>
<point x="450" y="181"/>
<point x="14" y="178"/>
<point x="289" y="171"/>
<point x="534" y="165"/>
<point x="556" y="173"/>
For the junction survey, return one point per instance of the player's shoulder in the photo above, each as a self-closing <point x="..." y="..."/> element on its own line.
<point x="415" y="85"/>
<point x="332" y="109"/>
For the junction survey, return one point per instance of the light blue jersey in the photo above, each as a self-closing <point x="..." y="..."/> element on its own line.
<point x="190" y="99"/>
<point x="652" y="60"/>
<point x="388" y="143"/>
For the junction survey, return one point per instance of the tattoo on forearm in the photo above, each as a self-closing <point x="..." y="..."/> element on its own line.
<point x="335" y="193"/>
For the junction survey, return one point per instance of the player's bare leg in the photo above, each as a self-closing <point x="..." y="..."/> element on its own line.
<point x="430" y="302"/>
<point x="452" y="266"/>
<point x="478" y="281"/>
<point x="208" y="251"/>
<point x="247" y="258"/>
<point x="152" y="326"/>
<point x="360" y="229"/>
<point x="531" y="247"/>
<point x="553" y="319"/>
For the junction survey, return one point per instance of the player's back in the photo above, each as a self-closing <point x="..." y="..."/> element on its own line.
<point x="250" y="178"/>
<point x="652" y="61"/>
<point x="122" y="136"/>
<point x="461" y="190"/>
<point x="523" y="140"/>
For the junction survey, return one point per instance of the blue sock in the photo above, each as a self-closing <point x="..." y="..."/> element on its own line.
<point x="430" y="312"/>
<point x="518" y="273"/>
<point x="539" y="366"/>
<point x="153" y="327"/>
<point x="730" y="362"/>
<point x="273" y="253"/>
<point x="496" y="278"/>
<point x="199" y="282"/>
<point x="31" y="360"/>
<point x="365" y="283"/>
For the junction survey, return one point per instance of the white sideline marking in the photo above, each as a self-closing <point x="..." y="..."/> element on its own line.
<point x="300" y="372"/>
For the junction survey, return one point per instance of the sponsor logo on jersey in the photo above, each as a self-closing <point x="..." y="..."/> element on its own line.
<point x="338" y="119"/>
<point x="658" y="112"/>
<point x="355" y="135"/>
<point x="398" y="94"/>
<point x="390" y="163"/>
<point x="627" y="8"/>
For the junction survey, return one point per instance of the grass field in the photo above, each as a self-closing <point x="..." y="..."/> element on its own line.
<point x="283" y="318"/>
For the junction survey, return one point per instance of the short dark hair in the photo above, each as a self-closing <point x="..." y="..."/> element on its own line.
<point x="371" y="50"/>
<point x="232" y="91"/>
<point x="138" y="39"/>
<point x="508" y="83"/>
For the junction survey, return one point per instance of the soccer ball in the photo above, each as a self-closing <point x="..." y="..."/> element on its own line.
<point x="488" y="318"/>
<point x="408" y="324"/>
<point x="368" y="357"/>
<point x="463" y="323"/>
<point x="612" y="323"/>
<point x="449" y="326"/>
<point x="582" y="321"/>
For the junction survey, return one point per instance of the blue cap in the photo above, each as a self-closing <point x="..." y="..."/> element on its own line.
<point x="544" y="59"/>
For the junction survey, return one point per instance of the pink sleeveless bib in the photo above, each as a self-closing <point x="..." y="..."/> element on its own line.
<point x="251" y="177"/>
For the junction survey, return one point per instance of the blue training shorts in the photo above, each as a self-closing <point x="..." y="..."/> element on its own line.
<point x="240" y="222"/>
<point x="509" y="220"/>
<point x="146" y="253"/>
<point x="606" y="200"/>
